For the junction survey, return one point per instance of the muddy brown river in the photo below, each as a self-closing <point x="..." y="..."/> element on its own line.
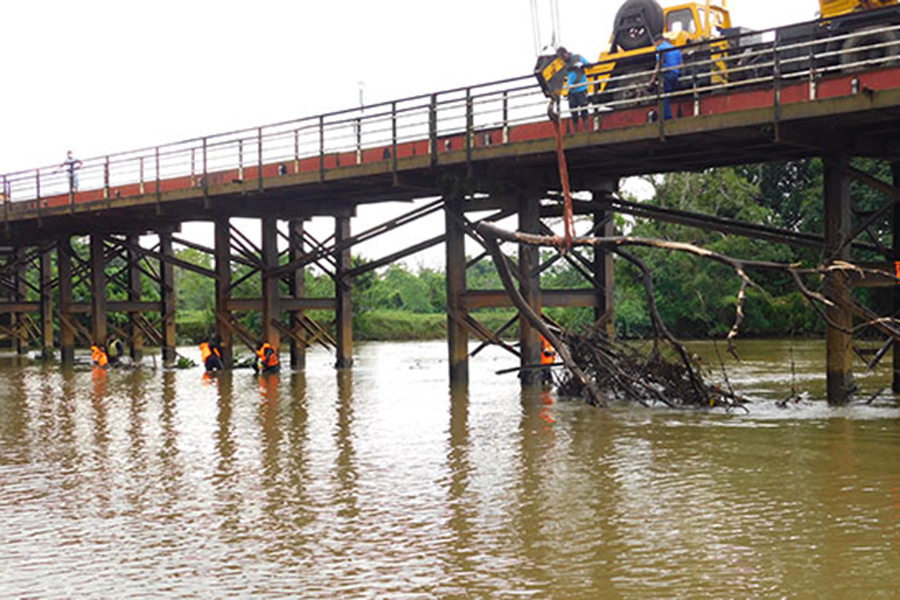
<point x="381" y="482"/>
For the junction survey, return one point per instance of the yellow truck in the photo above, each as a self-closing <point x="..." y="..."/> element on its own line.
<point x="715" y="51"/>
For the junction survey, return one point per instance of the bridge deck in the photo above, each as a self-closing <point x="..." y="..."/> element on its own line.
<point x="856" y="113"/>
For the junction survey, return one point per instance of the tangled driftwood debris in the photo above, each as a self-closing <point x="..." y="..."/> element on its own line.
<point x="597" y="367"/>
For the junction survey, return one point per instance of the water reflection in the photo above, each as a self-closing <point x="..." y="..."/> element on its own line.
<point x="382" y="482"/>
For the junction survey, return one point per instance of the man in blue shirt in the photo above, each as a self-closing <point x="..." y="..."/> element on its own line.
<point x="577" y="86"/>
<point x="668" y="62"/>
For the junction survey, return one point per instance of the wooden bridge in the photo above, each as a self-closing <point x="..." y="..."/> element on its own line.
<point x="482" y="148"/>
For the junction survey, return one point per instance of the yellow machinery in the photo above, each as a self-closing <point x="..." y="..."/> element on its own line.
<point x="850" y="31"/>
<point x="837" y="8"/>
<point x="632" y="48"/>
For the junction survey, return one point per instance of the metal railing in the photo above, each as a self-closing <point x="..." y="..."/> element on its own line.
<point x="451" y="120"/>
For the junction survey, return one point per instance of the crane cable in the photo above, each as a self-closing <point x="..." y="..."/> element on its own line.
<point x="555" y="34"/>
<point x="565" y="244"/>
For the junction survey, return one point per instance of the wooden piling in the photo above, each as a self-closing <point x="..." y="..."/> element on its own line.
<point x="223" y="292"/>
<point x="298" y="289"/>
<point x="167" y="297"/>
<point x="136" y="343"/>
<point x="837" y="231"/>
<point x="605" y="274"/>
<point x="46" y="303"/>
<point x="457" y="336"/>
<point x="99" y="324"/>
<point x="270" y="297"/>
<point x="530" y="287"/>
<point x="66" y="329"/>
<point x="344" y="299"/>
<point x="895" y="168"/>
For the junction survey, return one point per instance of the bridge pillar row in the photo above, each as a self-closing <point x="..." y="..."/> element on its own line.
<point x="529" y="208"/>
<point x="66" y="326"/>
<point x="223" y="289"/>
<point x="457" y="336"/>
<point x="344" y="298"/>
<point x="839" y="355"/>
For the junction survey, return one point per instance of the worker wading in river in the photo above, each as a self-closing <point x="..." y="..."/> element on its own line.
<point x="211" y="356"/>
<point x="266" y="359"/>
<point x="99" y="359"/>
<point x="548" y="357"/>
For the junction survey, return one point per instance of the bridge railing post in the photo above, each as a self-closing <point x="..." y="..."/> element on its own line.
<point x="37" y="192"/>
<point x="241" y="160"/>
<point x="158" y="182"/>
<point x="106" y="193"/>
<point x="205" y="166"/>
<point x="296" y="151"/>
<point x="322" y="148"/>
<point x="7" y="198"/>
<point x="394" y="137"/>
<point x="470" y="126"/>
<point x="433" y="130"/>
<point x="505" y="117"/>
<point x="141" y="183"/>
<point x="259" y="150"/>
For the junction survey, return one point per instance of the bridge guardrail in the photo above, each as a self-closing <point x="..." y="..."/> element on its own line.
<point x="440" y="119"/>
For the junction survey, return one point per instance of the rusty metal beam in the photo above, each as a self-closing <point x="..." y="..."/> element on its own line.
<point x="270" y="296"/>
<point x="223" y="289"/>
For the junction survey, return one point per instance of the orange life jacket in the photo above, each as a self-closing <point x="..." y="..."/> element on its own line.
<point x="98" y="357"/>
<point x="548" y="354"/>
<point x="267" y="359"/>
<point x="206" y="351"/>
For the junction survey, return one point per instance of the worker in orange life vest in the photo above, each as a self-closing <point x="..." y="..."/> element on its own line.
<point x="211" y="356"/>
<point x="548" y="357"/>
<point x="266" y="359"/>
<point x="99" y="358"/>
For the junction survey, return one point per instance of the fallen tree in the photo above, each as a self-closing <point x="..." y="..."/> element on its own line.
<point x="598" y="368"/>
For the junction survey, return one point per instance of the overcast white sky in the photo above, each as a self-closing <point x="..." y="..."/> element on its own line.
<point x="104" y="76"/>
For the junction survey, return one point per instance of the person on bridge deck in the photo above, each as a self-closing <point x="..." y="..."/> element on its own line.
<point x="211" y="355"/>
<point x="576" y="83"/>
<point x="266" y="359"/>
<point x="71" y="165"/>
<point x="668" y="63"/>
<point x="98" y="356"/>
<point x="548" y="357"/>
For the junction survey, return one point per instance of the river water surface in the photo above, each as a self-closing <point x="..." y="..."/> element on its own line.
<point x="381" y="482"/>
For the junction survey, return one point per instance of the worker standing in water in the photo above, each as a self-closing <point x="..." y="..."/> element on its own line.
<point x="211" y="355"/>
<point x="99" y="358"/>
<point x="266" y="359"/>
<point x="548" y="357"/>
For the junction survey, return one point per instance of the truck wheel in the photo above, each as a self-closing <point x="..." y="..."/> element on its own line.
<point x="856" y="51"/>
<point x="637" y="23"/>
